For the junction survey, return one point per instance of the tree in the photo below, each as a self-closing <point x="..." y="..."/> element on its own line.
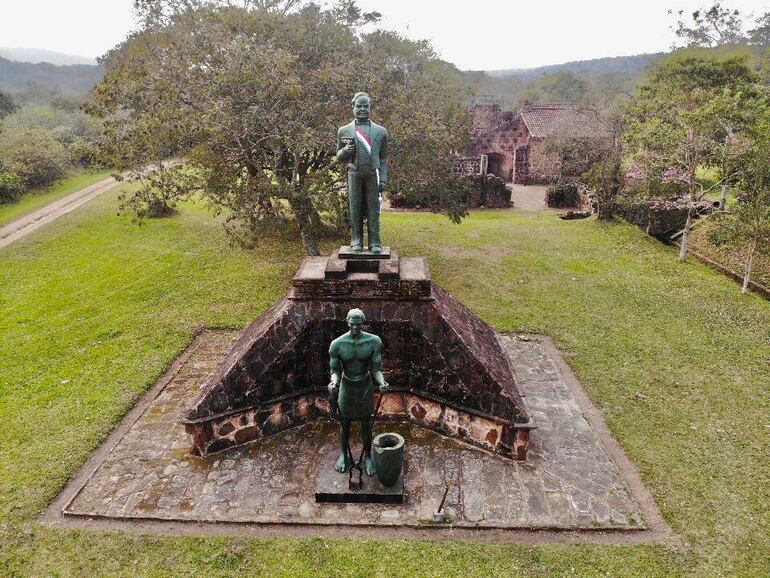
<point x="251" y="95"/>
<point x="713" y="26"/>
<point x="676" y="124"/>
<point x="561" y="86"/>
<point x="747" y="224"/>
<point x="760" y="34"/>
<point x="7" y="105"/>
<point x="605" y="177"/>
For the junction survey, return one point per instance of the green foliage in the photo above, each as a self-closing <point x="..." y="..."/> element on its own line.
<point x="68" y="139"/>
<point x="718" y="25"/>
<point x="33" y="154"/>
<point x="7" y="105"/>
<point x="747" y="224"/>
<point x="713" y="26"/>
<point x="561" y="86"/>
<point x="254" y="105"/>
<point x="694" y="113"/>
<point x="11" y="187"/>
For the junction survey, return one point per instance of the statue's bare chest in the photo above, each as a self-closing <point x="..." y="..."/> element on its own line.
<point x="353" y="352"/>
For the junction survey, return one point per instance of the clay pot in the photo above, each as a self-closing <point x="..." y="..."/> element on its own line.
<point x="388" y="456"/>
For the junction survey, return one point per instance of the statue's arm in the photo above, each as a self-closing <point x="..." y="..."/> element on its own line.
<point x="376" y="366"/>
<point x="344" y="153"/>
<point x="335" y="367"/>
<point x="384" y="161"/>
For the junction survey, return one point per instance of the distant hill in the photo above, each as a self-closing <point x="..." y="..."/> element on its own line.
<point x="66" y="80"/>
<point x="627" y="65"/>
<point x="36" y="55"/>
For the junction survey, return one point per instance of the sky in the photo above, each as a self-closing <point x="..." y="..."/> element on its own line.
<point x="472" y="34"/>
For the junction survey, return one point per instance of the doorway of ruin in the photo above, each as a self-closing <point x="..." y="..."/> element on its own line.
<point x="521" y="165"/>
<point x="495" y="162"/>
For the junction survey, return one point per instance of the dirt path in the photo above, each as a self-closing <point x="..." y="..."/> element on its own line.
<point x="529" y="197"/>
<point x="25" y="225"/>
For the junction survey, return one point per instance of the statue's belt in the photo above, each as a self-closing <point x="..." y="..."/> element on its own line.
<point x="355" y="379"/>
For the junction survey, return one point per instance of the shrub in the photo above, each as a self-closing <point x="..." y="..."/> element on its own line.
<point x="34" y="155"/>
<point x="489" y="191"/>
<point x="11" y="187"/>
<point x="564" y="195"/>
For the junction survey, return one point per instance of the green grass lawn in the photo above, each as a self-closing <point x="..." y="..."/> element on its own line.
<point x="36" y="199"/>
<point x="93" y="308"/>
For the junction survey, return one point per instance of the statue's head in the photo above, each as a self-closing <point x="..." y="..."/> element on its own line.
<point x="362" y="106"/>
<point x="356" y="320"/>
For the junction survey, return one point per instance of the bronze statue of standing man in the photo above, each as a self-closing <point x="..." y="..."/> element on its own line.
<point x="355" y="360"/>
<point x="363" y="144"/>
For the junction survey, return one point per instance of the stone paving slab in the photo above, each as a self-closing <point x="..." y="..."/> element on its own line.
<point x="569" y="481"/>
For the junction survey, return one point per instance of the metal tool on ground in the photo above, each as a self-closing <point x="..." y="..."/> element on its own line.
<point x="440" y="515"/>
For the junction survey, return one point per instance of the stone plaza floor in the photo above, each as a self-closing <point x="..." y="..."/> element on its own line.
<point x="571" y="480"/>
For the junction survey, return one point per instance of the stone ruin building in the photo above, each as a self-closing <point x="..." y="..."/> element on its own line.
<point x="514" y="145"/>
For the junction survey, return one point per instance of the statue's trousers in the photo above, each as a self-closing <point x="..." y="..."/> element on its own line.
<point x="364" y="197"/>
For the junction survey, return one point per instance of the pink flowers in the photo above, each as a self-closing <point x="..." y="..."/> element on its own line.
<point x="676" y="175"/>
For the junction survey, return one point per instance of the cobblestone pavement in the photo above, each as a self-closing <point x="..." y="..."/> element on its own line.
<point x="568" y="481"/>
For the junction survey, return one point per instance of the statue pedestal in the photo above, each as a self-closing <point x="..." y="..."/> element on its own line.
<point x="347" y="252"/>
<point x="447" y="370"/>
<point x="332" y="486"/>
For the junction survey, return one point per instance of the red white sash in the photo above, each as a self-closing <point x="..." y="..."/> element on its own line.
<point x="364" y="139"/>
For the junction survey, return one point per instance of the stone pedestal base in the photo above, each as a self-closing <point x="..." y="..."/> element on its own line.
<point x="445" y="365"/>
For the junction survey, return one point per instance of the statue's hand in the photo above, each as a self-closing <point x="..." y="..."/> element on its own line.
<point x="348" y="151"/>
<point x="333" y="385"/>
<point x="384" y="386"/>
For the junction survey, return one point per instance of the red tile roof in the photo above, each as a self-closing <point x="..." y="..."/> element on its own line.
<point x="560" y="119"/>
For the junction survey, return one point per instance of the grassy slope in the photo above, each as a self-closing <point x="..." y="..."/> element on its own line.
<point x="729" y="255"/>
<point x="93" y="308"/>
<point x="36" y="199"/>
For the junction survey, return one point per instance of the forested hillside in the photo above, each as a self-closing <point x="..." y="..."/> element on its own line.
<point x="631" y="65"/>
<point x="66" y="80"/>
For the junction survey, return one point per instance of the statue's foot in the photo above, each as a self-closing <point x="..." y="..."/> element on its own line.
<point x="376" y="249"/>
<point x="343" y="463"/>
<point x="357" y="248"/>
<point x="369" y="465"/>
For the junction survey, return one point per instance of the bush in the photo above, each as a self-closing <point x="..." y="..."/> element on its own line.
<point x="34" y="155"/>
<point x="564" y="195"/>
<point x="11" y="187"/>
<point x="489" y="191"/>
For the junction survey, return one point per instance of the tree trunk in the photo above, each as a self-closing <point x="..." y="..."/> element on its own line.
<point x="749" y="264"/>
<point x="686" y="236"/>
<point x="723" y="198"/>
<point x="303" y="211"/>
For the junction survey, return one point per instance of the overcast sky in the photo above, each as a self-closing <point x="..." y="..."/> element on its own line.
<point x="484" y="34"/>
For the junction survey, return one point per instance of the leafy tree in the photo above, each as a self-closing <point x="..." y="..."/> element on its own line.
<point x="561" y="86"/>
<point x="677" y="123"/>
<point x="747" y="224"/>
<point x="713" y="26"/>
<point x="605" y="177"/>
<point x="760" y="34"/>
<point x="251" y="96"/>
<point x="7" y="105"/>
